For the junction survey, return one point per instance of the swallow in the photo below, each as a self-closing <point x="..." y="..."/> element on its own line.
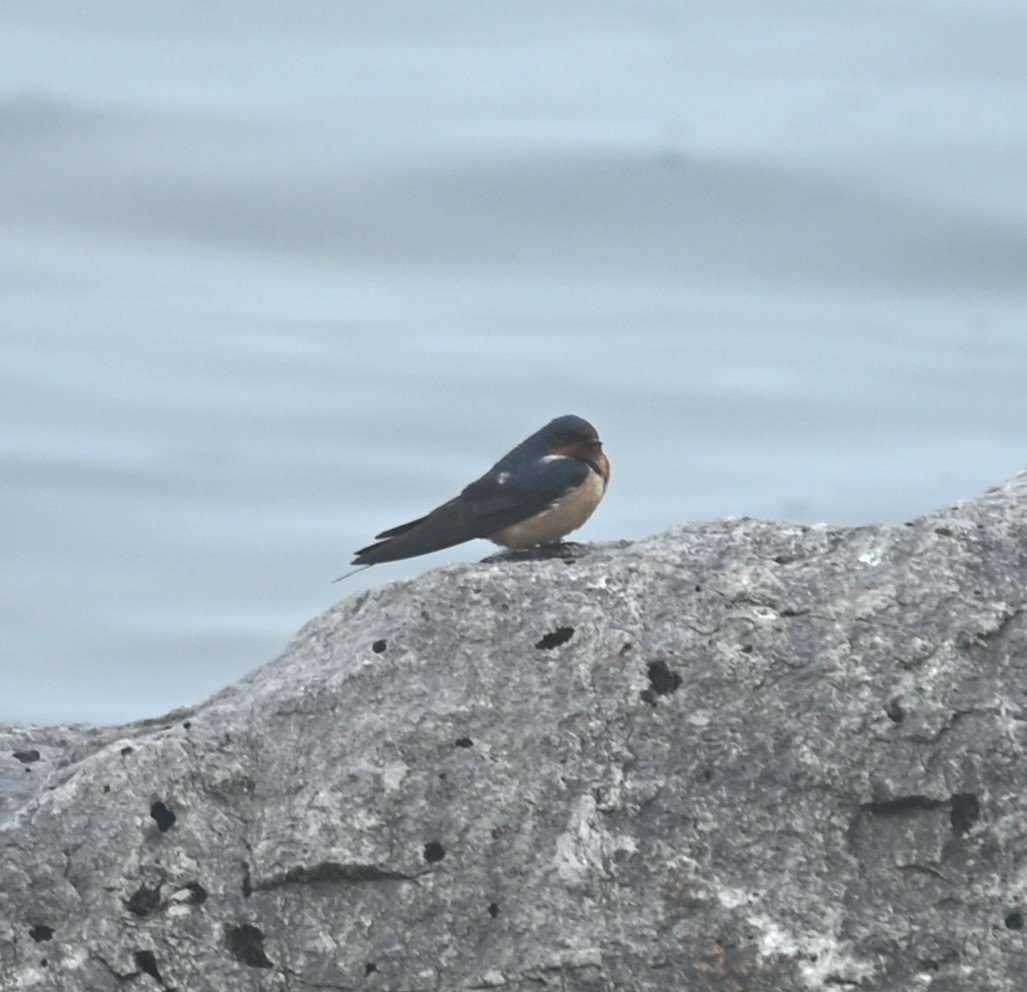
<point x="542" y="490"/>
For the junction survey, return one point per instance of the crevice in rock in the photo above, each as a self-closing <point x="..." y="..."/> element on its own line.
<point x="331" y="871"/>
<point x="26" y="757"/>
<point x="925" y="870"/>
<point x="903" y="805"/>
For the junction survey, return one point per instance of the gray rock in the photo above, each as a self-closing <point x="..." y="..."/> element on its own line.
<point x="735" y="756"/>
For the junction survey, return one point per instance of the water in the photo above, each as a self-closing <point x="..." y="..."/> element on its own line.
<point x="275" y="277"/>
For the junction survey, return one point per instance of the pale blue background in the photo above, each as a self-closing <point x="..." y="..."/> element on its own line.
<point x="275" y="276"/>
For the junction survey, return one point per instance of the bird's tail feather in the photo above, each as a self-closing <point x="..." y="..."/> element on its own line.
<point x="450" y="524"/>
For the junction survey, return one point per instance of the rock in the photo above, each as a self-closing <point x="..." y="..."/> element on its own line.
<point x="736" y="756"/>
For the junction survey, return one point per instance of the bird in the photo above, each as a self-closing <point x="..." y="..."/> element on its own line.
<point x="536" y="494"/>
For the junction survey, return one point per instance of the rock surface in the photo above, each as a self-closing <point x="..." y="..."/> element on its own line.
<point x="736" y="756"/>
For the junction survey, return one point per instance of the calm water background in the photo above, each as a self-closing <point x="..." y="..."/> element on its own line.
<point x="276" y="276"/>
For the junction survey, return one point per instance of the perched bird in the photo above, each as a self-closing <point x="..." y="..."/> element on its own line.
<point x="543" y="489"/>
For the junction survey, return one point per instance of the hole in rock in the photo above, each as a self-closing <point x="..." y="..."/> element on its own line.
<point x="894" y="710"/>
<point x="370" y="968"/>
<point x="127" y="749"/>
<point x="434" y="851"/>
<point x="41" y="932"/>
<point x="197" y="893"/>
<point x="163" y="817"/>
<point x="493" y="910"/>
<point x="463" y="742"/>
<point x="1014" y="920"/>
<point x="662" y="682"/>
<point x="144" y="901"/>
<point x="554" y="639"/>
<point x="246" y="944"/>
<point x="27" y="757"/>
<point x="146" y="961"/>
<point x="379" y="646"/>
<point x="964" y="813"/>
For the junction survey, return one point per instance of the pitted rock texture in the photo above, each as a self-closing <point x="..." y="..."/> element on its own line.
<point x="735" y="756"/>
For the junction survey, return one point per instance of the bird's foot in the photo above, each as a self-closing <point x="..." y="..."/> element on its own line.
<point x="566" y="550"/>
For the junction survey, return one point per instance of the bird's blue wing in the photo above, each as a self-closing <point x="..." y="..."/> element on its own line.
<point x="500" y="498"/>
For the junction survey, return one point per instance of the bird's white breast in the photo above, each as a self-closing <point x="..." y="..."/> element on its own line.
<point x="551" y="525"/>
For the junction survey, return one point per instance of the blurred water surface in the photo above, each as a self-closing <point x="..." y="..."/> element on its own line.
<point x="276" y="276"/>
